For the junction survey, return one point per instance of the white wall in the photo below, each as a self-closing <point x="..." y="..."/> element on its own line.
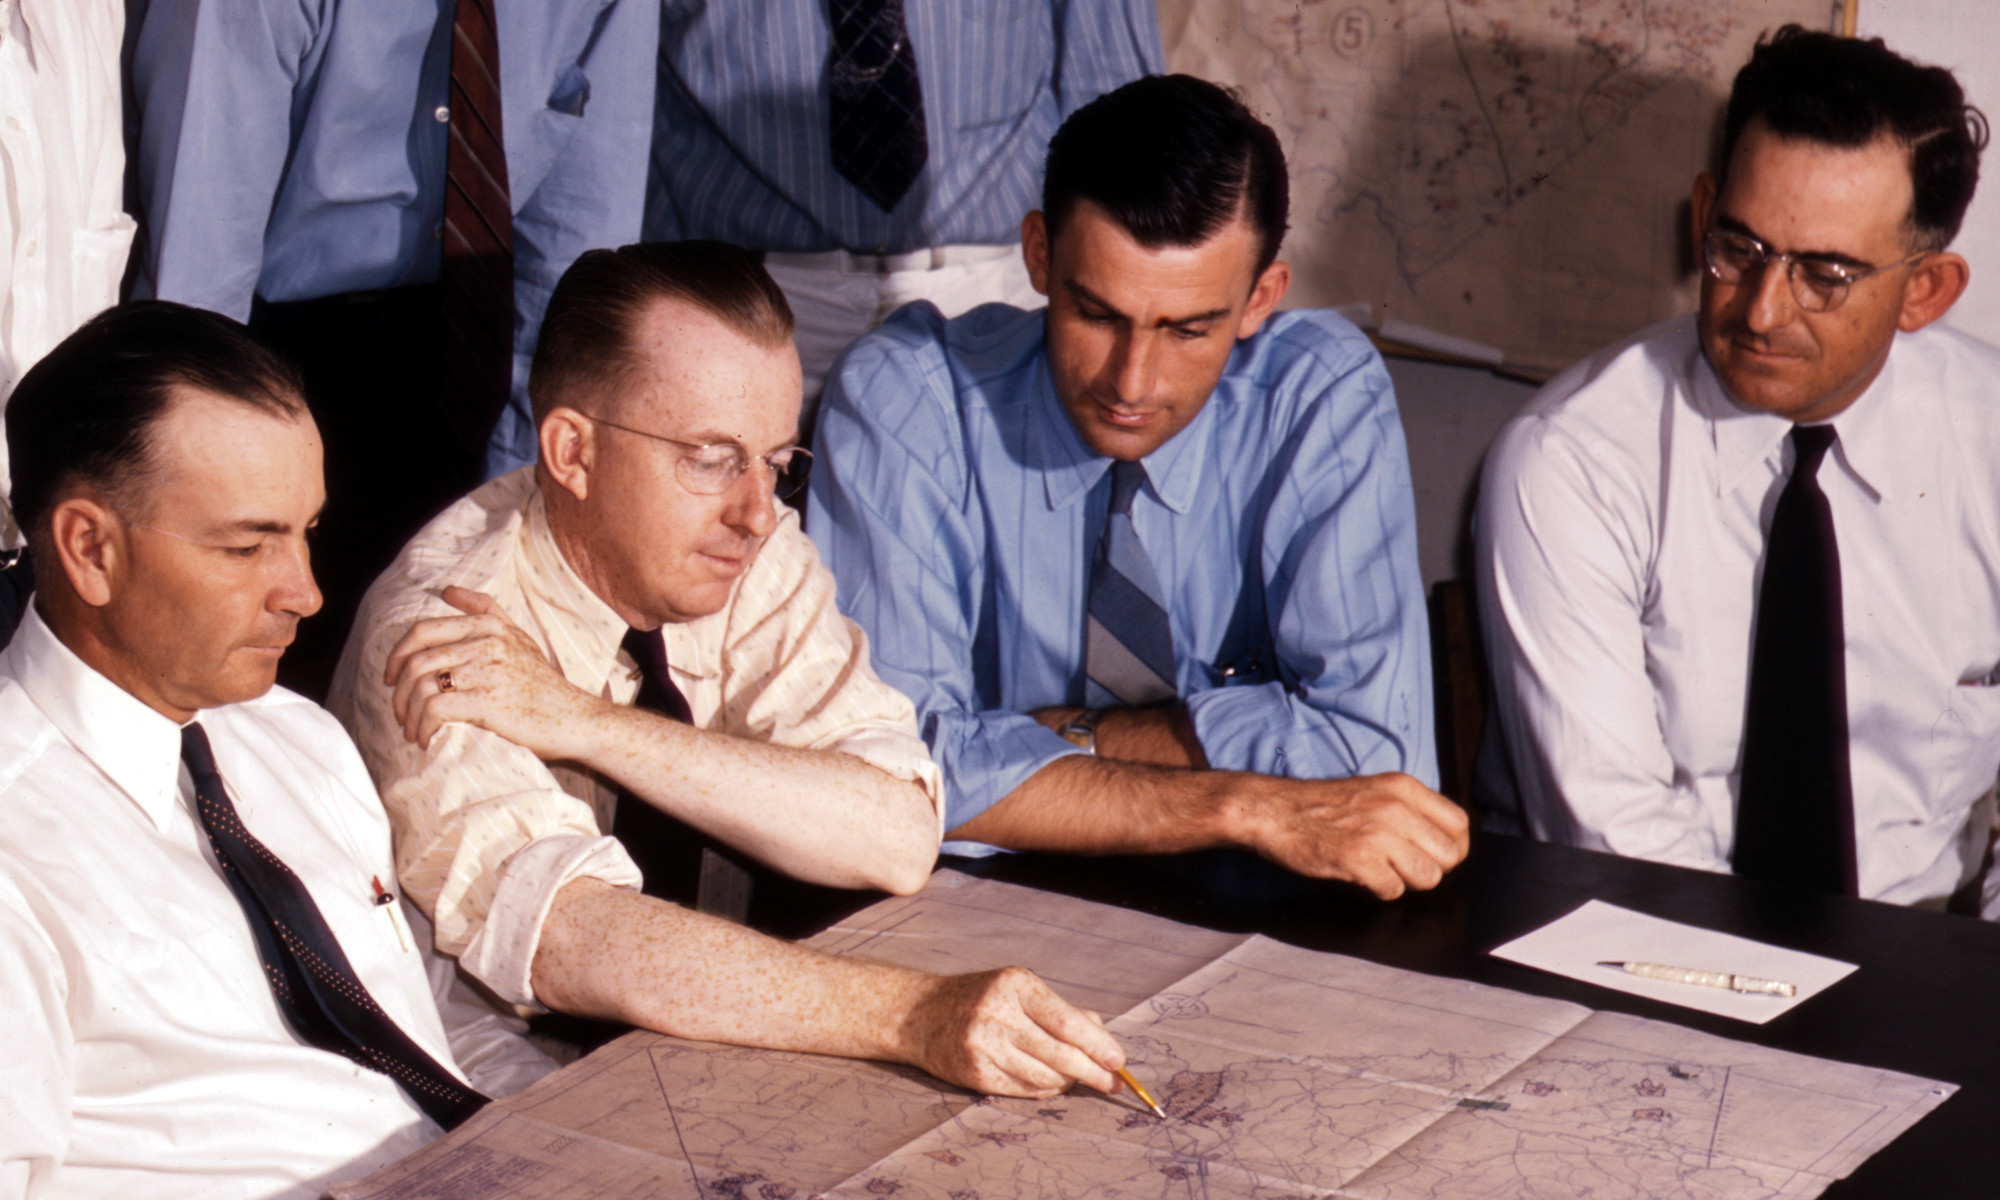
<point x="1963" y="35"/>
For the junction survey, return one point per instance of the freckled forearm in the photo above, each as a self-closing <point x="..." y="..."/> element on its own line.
<point x="615" y="954"/>
<point x="819" y="815"/>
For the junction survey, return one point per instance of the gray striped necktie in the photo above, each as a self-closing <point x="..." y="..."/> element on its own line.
<point x="1129" y="655"/>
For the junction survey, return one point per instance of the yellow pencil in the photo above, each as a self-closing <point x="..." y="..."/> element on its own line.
<point x="1142" y="1093"/>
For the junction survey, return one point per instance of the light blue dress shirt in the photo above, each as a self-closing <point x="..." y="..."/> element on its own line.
<point x="959" y="509"/>
<point x="743" y="153"/>
<point x="292" y="148"/>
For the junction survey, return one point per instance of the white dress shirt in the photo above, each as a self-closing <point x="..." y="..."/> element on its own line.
<point x="1621" y="528"/>
<point x="63" y="229"/>
<point x="144" y="1055"/>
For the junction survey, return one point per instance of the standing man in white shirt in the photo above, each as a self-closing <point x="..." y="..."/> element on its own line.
<point x="208" y="990"/>
<point x="63" y="229"/>
<point x="1740" y="575"/>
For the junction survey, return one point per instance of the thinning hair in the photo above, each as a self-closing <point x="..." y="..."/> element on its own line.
<point x="1172" y="159"/>
<point x="1847" y="93"/>
<point x="84" y="416"/>
<point x="585" y="346"/>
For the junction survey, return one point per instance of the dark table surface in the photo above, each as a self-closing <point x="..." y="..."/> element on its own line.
<point x="1924" y="1001"/>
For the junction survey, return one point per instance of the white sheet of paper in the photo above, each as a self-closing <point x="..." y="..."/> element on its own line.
<point x="1599" y="932"/>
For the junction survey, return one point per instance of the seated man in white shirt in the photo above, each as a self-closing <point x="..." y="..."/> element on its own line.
<point x="632" y="629"/>
<point x="208" y="992"/>
<point x="1740" y="575"/>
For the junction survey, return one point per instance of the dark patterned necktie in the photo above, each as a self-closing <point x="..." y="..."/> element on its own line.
<point x="1129" y="641"/>
<point x="678" y="862"/>
<point x="876" y="101"/>
<point x="1795" y="798"/>
<point x="324" y="1001"/>
<point x="477" y="271"/>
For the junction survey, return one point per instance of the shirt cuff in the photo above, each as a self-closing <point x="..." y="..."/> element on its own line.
<point x="899" y="755"/>
<point x="1244" y="729"/>
<point x="502" y="954"/>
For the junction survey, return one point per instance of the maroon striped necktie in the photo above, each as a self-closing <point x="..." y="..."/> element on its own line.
<point x="478" y="268"/>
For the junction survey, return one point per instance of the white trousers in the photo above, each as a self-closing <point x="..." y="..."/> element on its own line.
<point x="836" y="296"/>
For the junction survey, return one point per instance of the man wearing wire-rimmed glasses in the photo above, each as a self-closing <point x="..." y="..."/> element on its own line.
<point x="1740" y="575"/>
<point x="624" y="666"/>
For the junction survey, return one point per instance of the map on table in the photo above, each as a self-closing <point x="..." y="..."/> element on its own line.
<point x="1285" y="1074"/>
<point x="1515" y="172"/>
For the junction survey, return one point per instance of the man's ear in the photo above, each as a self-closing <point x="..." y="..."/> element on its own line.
<point x="1035" y="249"/>
<point x="569" y="450"/>
<point x="1700" y="209"/>
<point x="89" y="545"/>
<point x="1934" y="285"/>
<point x="1270" y="288"/>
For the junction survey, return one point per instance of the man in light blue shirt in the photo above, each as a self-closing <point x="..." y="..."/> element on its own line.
<point x="971" y="477"/>
<point x="290" y="160"/>
<point x="743" y="151"/>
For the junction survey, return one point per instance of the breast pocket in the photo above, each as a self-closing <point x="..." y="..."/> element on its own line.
<point x="97" y="265"/>
<point x="1964" y="745"/>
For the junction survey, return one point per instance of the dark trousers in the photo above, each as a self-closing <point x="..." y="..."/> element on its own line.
<point x="375" y="386"/>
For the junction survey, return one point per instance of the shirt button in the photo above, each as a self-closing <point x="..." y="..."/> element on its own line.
<point x="13" y="124"/>
<point x="443" y="114"/>
<point x="31" y="248"/>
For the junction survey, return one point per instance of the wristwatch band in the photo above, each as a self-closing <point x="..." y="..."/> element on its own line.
<point x="1082" y="731"/>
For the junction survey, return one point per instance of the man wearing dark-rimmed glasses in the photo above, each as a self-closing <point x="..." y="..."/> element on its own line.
<point x="622" y="668"/>
<point x="1740" y="575"/>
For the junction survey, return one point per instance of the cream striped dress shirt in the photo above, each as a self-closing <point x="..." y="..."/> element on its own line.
<point x="486" y="833"/>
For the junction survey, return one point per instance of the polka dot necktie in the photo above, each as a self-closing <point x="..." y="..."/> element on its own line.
<point x="322" y="999"/>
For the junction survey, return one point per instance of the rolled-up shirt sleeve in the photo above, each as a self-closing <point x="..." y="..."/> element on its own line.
<point x="795" y="672"/>
<point x="485" y="833"/>
<point x="1343" y="594"/>
<point x="889" y="508"/>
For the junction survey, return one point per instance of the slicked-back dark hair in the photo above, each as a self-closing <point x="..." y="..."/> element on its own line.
<point x="1173" y="159"/>
<point x="1847" y="92"/>
<point x="585" y="344"/>
<point x="84" y="415"/>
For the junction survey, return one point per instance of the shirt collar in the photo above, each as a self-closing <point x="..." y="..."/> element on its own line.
<point x="584" y="633"/>
<point x="1070" y="468"/>
<point x="1874" y="443"/>
<point x="138" y="748"/>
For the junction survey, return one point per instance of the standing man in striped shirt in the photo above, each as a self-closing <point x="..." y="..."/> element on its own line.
<point x="874" y="151"/>
<point x="635" y="629"/>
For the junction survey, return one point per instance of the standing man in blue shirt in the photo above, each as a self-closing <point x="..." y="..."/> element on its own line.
<point x="864" y="198"/>
<point x="1146" y="562"/>
<point x="291" y="163"/>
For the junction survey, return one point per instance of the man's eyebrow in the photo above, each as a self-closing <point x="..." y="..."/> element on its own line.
<point x="1085" y="294"/>
<point x="1730" y="224"/>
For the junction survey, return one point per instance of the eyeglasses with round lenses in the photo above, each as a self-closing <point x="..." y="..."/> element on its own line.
<point x="1819" y="286"/>
<point x="712" y="468"/>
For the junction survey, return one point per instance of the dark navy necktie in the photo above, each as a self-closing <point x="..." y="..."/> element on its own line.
<point x="875" y="100"/>
<point x="1795" y="796"/>
<point x="678" y="861"/>
<point x="1129" y="641"/>
<point x="316" y="988"/>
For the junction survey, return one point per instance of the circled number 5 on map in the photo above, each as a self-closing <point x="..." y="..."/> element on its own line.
<point x="1353" y="29"/>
